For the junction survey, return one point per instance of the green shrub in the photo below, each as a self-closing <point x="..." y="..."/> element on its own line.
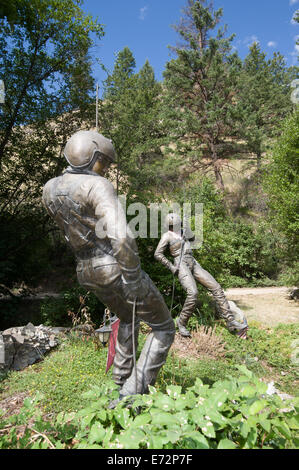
<point x="55" y="311"/>
<point x="235" y="413"/>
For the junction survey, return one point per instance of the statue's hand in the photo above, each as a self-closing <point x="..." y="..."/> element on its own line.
<point x="174" y="270"/>
<point x="135" y="290"/>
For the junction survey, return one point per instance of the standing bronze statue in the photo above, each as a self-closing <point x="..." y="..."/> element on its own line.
<point x="189" y="271"/>
<point x="86" y="208"/>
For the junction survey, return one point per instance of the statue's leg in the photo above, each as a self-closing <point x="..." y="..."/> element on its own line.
<point x="189" y="285"/>
<point x="123" y="360"/>
<point x="153" y="311"/>
<point x="222" y="305"/>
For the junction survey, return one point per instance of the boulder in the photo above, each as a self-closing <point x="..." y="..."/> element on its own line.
<point x="294" y="294"/>
<point x="22" y="346"/>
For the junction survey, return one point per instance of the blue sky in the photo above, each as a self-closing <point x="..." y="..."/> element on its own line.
<point x="145" y="27"/>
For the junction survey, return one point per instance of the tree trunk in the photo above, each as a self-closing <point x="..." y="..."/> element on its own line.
<point x="219" y="179"/>
<point x="259" y="160"/>
<point x="216" y="167"/>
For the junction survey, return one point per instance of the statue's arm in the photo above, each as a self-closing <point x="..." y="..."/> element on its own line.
<point x="112" y="224"/>
<point x="159" y="253"/>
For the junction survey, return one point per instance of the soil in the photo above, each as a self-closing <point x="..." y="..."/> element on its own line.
<point x="266" y="305"/>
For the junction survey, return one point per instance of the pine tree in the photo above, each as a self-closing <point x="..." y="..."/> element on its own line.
<point x="129" y="116"/>
<point x="263" y="99"/>
<point x="281" y="181"/>
<point x="200" y="89"/>
<point x="124" y="68"/>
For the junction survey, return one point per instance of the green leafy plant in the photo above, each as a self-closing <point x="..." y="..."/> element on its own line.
<point x="60" y="311"/>
<point x="233" y="413"/>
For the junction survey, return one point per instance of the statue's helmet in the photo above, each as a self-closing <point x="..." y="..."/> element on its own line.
<point x="84" y="148"/>
<point x="174" y="221"/>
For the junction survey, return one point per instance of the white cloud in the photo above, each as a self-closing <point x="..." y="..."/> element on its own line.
<point x="143" y="12"/>
<point x="272" y="44"/>
<point x="249" y="40"/>
<point x="292" y="2"/>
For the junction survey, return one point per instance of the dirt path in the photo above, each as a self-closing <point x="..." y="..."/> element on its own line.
<point x="266" y="305"/>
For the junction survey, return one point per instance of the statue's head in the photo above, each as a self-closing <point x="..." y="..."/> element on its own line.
<point x="173" y="222"/>
<point x="89" y="150"/>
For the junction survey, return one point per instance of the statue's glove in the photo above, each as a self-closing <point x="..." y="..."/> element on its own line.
<point x="135" y="289"/>
<point x="174" y="270"/>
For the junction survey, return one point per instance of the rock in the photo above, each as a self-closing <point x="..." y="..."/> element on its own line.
<point x="294" y="294"/>
<point x="24" y="345"/>
<point x="59" y="330"/>
<point x="272" y="390"/>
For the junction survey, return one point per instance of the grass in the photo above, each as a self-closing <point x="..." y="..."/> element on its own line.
<point x="62" y="377"/>
<point x="70" y="370"/>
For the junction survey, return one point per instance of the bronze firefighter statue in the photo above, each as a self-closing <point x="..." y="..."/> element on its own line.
<point x="86" y="208"/>
<point x="189" y="271"/>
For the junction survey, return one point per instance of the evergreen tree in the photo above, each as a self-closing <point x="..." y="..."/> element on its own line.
<point x="129" y="116"/>
<point x="281" y="181"/>
<point x="263" y="99"/>
<point x="200" y="89"/>
<point x="124" y="68"/>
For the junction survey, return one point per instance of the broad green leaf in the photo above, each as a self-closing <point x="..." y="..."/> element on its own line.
<point x="96" y="434"/>
<point x="131" y="438"/>
<point x="181" y="403"/>
<point x="88" y="446"/>
<point x="85" y="412"/>
<point x="283" y="429"/>
<point x="198" y="383"/>
<point x="102" y="415"/>
<point x="156" y="441"/>
<point x="217" y="399"/>
<point x="165" y="403"/>
<point x="208" y="429"/>
<point x="182" y="420"/>
<point x="200" y="440"/>
<point x="244" y="429"/>
<point x="266" y="424"/>
<point x="87" y="420"/>
<point x="248" y="391"/>
<point x="122" y="416"/>
<point x="142" y="419"/>
<point x="252" y="437"/>
<point x="152" y="390"/>
<point x="173" y="435"/>
<point x="244" y="371"/>
<point x="257" y="406"/>
<point x="108" y="436"/>
<point x="163" y="419"/>
<point x="226" y="444"/>
<point x="174" y="391"/>
<point x="293" y="422"/>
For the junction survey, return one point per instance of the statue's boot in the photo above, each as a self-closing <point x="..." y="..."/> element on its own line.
<point x="182" y="324"/>
<point x="151" y="359"/>
<point x="235" y="319"/>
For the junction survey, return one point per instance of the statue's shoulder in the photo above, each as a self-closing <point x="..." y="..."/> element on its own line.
<point x="96" y="184"/>
<point x="166" y="237"/>
<point x="47" y="189"/>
